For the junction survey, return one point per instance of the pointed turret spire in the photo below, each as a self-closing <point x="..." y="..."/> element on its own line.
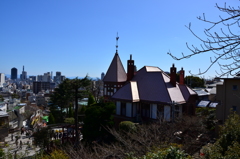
<point x="117" y="43"/>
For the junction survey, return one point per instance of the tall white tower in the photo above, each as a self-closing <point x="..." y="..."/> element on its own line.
<point x="2" y="79"/>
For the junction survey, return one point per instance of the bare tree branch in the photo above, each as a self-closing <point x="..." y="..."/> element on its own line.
<point x="224" y="43"/>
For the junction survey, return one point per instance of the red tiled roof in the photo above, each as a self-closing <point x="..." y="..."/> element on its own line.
<point x="115" y="72"/>
<point x="153" y="85"/>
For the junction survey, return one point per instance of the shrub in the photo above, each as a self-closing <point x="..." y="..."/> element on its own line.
<point x="127" y="126"/>
<point x="172" y="152"/>
<point x="56" y="154"/>
<point x="69" y="120"/>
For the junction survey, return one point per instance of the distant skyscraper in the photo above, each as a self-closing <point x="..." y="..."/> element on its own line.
<point x="57" y="78"/>
<point x="40" y="78"/>
<point x="2" y="79"/>
<point x="23" y="76"/>
<point x="46" y="77"/>
<point x="13" y="73"/>
<point x="58" y="73"/>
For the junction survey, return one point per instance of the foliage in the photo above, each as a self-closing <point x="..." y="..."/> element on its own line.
<point x="2" y="154"/>
<point x="69" y="120"/>
<point x="172" y="152"/>
<point x="209" y="117"/>
<point x="91" y="100"/>
<point x="95" y="89"/>
<point x="51" y="119"/>
<point x="57" y="114"/>
<point x="82" y="109"/>
<point x="14" y="95"/>
<point x="41" y="137"/>
<point x="224" y="43"/>
<point x="193" y="81"/>
<point x="70" y="111"/>
<point x="61" y="98"/>
<point x="227" y="145"/>
<point x="80" y="90"/>
<point x="56" y="154"/>
<point x="127" y="126"/>
<point x="97" y="118"/>
<point x="1" y="98"/>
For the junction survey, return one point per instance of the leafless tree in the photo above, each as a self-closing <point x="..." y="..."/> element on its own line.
<point x="185" y="131"/>
<point x="224" y="43"/>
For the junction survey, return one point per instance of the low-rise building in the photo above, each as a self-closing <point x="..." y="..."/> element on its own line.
<point x="147" y="94"/>
<point x="228" y="98"/>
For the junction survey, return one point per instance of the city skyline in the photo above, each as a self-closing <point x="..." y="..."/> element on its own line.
<point x="78" y="37"/>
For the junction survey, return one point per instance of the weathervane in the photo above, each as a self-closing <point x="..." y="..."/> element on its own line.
<point x="117" y="43"/>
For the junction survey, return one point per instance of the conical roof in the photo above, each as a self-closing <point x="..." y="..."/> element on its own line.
<point x="115" y="72"/>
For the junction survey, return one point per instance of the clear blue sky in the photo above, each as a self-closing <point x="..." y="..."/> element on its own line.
<point x="77" y="37"/>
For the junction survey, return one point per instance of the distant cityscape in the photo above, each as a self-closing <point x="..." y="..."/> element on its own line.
<point x="45" y="77"/>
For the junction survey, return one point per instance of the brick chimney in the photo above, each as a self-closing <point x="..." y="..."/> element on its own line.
<point x="181" y="76"/>
<point x="130" y="69"/>
<point x="173" y="75"/>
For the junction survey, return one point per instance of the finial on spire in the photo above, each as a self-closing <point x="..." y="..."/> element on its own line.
<point x="117" y="43"/>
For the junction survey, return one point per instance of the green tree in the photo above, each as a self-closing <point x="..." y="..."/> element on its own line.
<point x="61" y="99"/>
<point x="1" y="98"/>
<point x="208" y="117"/>
<point x="2" y="153"/>
<point x="79" y="89"/>
<point x="227" y="145"/>
<point x="41" y="137"/>
<point x="97" y="118"/>
<point x="70" y="111"/>
<point x="91" y="100"/>
<point x="68" y="91"/>
<point x="51" y="119"/>
<point x="95" y="89"/>
<point x="193" y="81"/>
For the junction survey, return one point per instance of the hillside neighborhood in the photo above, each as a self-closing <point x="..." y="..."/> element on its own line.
<point x="147" y="95"/>
<point x="147" y="103"/>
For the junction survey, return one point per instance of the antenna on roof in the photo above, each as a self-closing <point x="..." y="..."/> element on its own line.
<point x="117" y="43"/>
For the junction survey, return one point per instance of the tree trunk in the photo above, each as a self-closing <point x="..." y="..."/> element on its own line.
<point x="76" y="119"/>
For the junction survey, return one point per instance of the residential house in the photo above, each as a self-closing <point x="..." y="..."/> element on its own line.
<point x="228" y="98"/>
<point x="147" y="94"/>
<point x="4" y="126"/>
<point x="3" y="106"/>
